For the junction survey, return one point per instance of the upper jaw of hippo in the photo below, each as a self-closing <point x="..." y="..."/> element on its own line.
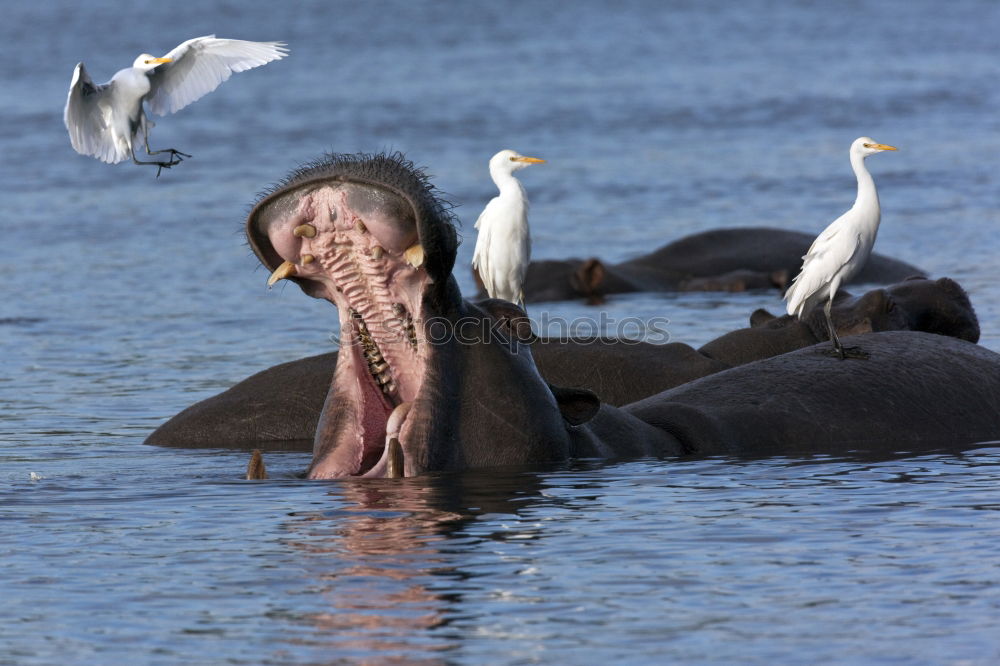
<point x="359" y="246"/>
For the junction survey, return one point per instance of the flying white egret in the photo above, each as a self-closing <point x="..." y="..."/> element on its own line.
<point x="842" y="249"/>
<point x="503" y="247"/>
<point x="104" y="120"/>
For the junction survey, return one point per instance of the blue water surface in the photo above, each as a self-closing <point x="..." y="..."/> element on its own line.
<point x="130" y="297"/>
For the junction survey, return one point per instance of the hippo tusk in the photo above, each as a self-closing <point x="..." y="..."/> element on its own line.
<point x="394" y="459"/>
<point x="286" y="269"/>
<point x="414" y="255"/>
<point x="255" y="468"/>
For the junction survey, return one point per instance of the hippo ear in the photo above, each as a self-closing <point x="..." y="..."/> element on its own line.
<point x="577" y="405"/>
<point x="587" y="278"/>
<point x="514" y="318"/>
<point x="856" y="328"/>
<point x="759" y="317"/>
<point x="780" y="278"/>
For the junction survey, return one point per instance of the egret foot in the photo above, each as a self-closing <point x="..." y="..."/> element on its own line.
<point x="844" y="353"/>
<point x="160" y="166"/>
<point x="173" y="154"/>
<point x="173" y="151"/>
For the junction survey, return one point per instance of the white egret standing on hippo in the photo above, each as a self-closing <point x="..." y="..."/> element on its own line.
<point x="104" y="120"/>
<point x="841" y="250"/>
<point x="503" y="247"/>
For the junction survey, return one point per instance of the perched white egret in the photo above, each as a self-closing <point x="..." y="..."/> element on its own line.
<point x="503" y="247"/>
<point x="104" y="120"/>
<point x="842" y="249"/>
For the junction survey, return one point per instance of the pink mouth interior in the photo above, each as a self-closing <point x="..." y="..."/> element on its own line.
<point x="357" y="243"/>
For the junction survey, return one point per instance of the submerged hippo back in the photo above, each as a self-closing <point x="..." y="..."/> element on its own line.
<point x="918" y="391"/>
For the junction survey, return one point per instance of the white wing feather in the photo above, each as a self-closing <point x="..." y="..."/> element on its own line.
<point x="200" y="65"/>
<point x="481" y="255"/>
<point x="89" y="118"/>
<point x="833" y="250"/>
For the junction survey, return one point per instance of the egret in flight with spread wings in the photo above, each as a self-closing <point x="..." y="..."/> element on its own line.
<point x="104" y="119"/>
<point x="841" y="250"/>
<point x="503" y="247"/>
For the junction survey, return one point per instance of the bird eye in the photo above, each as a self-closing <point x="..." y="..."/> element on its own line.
<point x="868" y="145"/>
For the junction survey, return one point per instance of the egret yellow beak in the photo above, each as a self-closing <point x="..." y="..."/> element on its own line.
<point x="529" y="160"/>
<point x="158" y="61"/>
<point x="880" y="146"/>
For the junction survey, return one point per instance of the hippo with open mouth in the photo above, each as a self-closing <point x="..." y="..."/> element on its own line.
<point x="427" y="381"/>
<point x="368" y="234"/>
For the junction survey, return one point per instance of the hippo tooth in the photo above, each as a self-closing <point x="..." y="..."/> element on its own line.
<point x="414" y="255"/>
<point x="307" y="259"/>
<point x="393" y="459"/>
<point x="377" y="252"/>
<point x="255" y="468"/>
<point x="286" y="269"/>
<point x="304" y="231"/>
<point x="360" y="226"/>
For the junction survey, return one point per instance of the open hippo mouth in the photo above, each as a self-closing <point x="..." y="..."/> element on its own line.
<point x="366" y="234"/>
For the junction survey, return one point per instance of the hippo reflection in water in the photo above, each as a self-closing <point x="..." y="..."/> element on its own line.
<point x="368" y="234"/>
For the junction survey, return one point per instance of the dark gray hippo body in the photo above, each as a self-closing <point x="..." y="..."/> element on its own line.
<point x="427" y="381"/>
<point x="717" y="260"/>
<point x="918" y="391"/>
<point x="280" y="407"/>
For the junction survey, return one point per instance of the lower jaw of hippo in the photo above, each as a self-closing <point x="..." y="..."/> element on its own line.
<point x="381" y="407"/>
<point x="378" y="292"/>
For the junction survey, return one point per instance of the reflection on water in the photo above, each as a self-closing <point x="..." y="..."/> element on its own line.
<point x="384" y="560"/>
<point x="848" y="559"/>
<point x="374" y="560"/>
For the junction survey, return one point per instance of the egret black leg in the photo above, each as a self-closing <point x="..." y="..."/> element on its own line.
<point x="173" y="152"/>
<point x="839" y="350"/>
<point x="160" y="165"/>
